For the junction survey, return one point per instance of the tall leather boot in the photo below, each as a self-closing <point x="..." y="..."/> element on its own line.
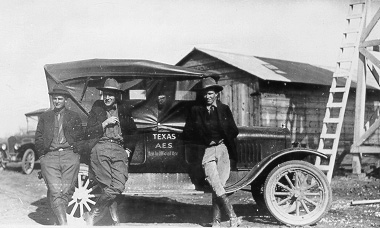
<point x="60" y="213"/>
<point x="225" y="203"/>
<point x="113" y="212"/>
<point x="97" y="212"/>
<point x="216" y="213"/>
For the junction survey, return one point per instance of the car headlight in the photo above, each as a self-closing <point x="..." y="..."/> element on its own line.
<point x="3" y="146"/>
<point x="17" y="146"/>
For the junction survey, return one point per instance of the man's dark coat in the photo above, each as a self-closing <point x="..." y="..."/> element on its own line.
<point x="195" y="128"/>
<point x="98" y="115"/>
<point x="72" y="129"/>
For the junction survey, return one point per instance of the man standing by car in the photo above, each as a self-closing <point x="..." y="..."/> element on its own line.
<point x="110" y="130"/>
<point x="211" y="125"/>
<point x="58" y="142"/>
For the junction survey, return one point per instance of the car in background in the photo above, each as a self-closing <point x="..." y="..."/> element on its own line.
<point x="20" y="151"/>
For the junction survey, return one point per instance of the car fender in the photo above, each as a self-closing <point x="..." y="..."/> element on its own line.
<point x="23" y="148"/>
<point x="262" y="169"/>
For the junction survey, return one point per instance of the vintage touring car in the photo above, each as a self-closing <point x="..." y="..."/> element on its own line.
<point x="294" y="191"/>
<point x="19" y="151"/>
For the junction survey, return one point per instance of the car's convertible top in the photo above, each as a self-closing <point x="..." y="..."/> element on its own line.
<point x="142" y="80"/>
<point x="133" y="69"/>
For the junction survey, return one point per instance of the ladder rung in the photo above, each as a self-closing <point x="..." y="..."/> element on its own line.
<point x="334" y="105"/>
<point x="338" y="90"/>
<point x="347" y="45"/>
<point x="341" y="73"/>
<point x="326" y="151"/>
<point x="351" y="30"/>
<point x="354" y="2"/>
<point x="331" y="120"/>
<point x="328" y="136"/>
<point x="354" y="16"/>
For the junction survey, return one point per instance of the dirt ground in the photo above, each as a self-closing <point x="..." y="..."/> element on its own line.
<point x="24" y="204"/>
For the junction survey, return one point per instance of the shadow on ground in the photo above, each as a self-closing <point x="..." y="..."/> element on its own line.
<point x="137" y="209"/>
<point x="43" y="214"/>
<point x="160" y="210"/>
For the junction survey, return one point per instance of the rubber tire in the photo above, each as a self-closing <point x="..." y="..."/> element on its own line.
<point x="3" y="156"/>
<point x="287" y="217"/>
<point x="28" y="160"/>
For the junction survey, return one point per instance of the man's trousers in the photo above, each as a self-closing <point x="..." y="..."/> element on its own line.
<point x="60" y="172"/>
<point x="109" y="163"/>
<point x="216" y="165"/>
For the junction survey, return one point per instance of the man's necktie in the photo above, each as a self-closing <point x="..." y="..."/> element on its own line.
<point x="212" y="110"/>
<point x="61" y="136"/>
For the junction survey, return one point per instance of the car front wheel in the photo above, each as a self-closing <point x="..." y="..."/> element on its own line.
<point x="27" y="163"/>
<point x="297" y="193"/>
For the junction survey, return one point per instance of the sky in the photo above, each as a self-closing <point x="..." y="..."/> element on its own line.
<point x="39" y="32"/>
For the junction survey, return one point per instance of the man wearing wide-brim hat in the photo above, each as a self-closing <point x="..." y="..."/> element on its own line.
<point x="212" y="125"/>
<point x="59" y="140"/>
<point x="110" y="130"/>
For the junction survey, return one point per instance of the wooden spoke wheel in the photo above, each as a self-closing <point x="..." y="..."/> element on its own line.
<point x="85" y="195"/>
<point x="297" y="193"/>
<point x="27" y="163"/>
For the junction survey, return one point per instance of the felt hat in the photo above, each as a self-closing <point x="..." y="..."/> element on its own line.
<point x="210" y="83"/>
<point x="111" y="85"/>
<point x="60" y="89"/>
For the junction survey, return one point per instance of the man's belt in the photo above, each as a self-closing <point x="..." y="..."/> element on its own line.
<point x="61" y="149"/>
<point x="118" y="142"/>
<point x="213" y="143"/>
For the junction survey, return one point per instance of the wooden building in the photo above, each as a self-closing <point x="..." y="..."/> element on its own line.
<point x="273" y="92"/>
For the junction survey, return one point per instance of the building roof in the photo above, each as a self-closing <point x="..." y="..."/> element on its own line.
<point x="275" y="69"/>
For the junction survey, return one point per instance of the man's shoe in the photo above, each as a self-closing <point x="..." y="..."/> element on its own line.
<point x="60" y="213"/>
<point x="235" y="222"/>
<point x="215" y="224"/>
<point x="88" y="218"/>
<point x="98" y="211"/>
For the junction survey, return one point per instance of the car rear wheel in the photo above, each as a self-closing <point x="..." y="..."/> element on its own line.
<point x="297" y="193"/>
<point x="27" y="163"/>
<point x="85" y="195"/>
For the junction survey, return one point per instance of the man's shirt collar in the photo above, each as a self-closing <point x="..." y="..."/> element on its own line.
<point x="213" y="104"/>
<point x="112" y="108"/>
<point x="61" y="111"/>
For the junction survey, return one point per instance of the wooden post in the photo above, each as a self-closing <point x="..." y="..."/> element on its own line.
<point x="256" y="103"/>
<point x="359" y="113"/>
<point x="243" y="104"/>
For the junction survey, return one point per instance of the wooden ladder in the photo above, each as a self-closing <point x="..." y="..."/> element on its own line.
<point x="340" y="86"/>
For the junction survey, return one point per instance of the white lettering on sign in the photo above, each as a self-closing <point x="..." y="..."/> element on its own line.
<point x="162" y="153"/>
<point x="164" y="136"/>
<point x="164" y="145"/>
